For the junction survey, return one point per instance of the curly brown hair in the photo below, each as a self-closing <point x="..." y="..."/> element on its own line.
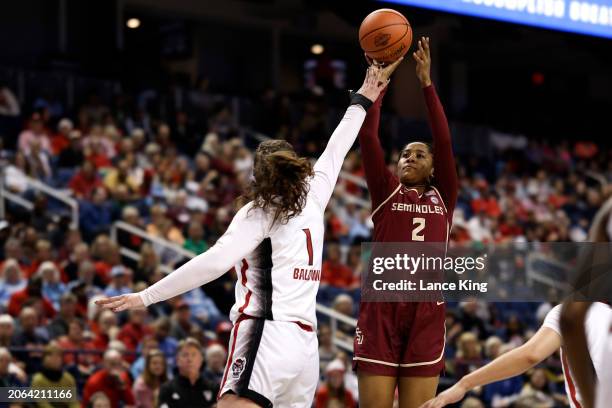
<point x="281" y="180"/>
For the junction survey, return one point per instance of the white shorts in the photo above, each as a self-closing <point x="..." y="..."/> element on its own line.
<point x="272" y="363"/>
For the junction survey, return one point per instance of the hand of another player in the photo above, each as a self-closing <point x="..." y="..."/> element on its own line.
<point x="121" y="303"/>
<point x="377" y="78"/>
<point x="452" y="395"/>
<point x="422" y="56"/>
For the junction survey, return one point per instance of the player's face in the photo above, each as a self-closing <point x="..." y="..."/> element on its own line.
<point x="415" y="165"/>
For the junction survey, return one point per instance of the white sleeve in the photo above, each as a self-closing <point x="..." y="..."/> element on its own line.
<point x="244" y="234"/>
<point x="552" y="320"/>
<point x="329" y="164"/>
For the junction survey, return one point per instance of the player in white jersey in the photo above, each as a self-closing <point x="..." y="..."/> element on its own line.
<point x="275" y="242"/>
<point x="544" y="343"/>
<point x="594" y="283"/>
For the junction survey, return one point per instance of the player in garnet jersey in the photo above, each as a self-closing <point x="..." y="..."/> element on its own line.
<point x="402" y="344"/>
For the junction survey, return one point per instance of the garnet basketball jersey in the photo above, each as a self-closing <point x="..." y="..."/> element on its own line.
<point x="406" y="216"/>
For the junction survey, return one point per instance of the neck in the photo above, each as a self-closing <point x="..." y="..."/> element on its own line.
<point x="418" y="187"/>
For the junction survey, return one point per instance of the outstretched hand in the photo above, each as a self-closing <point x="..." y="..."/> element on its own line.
<point x="122" y="302"/>
<point x="422" y="56"/>
<point x="377" y="78"/>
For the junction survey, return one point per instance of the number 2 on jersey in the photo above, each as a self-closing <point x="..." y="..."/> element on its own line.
<point x="418" y="224"/>
<point x="308" y="244"/>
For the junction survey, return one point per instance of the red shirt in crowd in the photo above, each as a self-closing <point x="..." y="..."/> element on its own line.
<point x="115" y="391"/>
<point x="336" y="274"/>
<point x="84" y="186"/>
<point x="19" y="298"/>
<point x="323" y="398"/>
<point x="131" y="335"/>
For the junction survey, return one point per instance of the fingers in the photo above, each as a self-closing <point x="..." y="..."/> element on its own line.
<point x="426" y="44"/>
<point x="106" y="301"/>
<point x="417" y="58"/>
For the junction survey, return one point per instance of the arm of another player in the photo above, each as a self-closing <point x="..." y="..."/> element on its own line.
<point x="573" y="315"/>
<point x="378" y="177"/>
<point x="443" y="158"/>
<point x="245" y="233"/>
<point x="329" y="164"/>
<point x="545" y="342"/>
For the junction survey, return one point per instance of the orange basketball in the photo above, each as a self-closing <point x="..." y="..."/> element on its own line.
<point x="385" y="35"/>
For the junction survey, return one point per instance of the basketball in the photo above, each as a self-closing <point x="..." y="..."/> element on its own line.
<point x="385" y="35"/>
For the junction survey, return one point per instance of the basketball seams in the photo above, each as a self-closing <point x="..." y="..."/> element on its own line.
<point x="380" y="28"/>
<point x="392" y="44"/>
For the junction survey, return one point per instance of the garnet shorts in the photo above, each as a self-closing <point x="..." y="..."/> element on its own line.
<point x="400" y="339"/>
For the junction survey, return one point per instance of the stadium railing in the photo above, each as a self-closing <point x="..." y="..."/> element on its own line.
<point x="41" y="187"/>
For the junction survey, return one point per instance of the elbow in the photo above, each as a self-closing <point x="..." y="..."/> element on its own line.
<point x="532" y="358"/>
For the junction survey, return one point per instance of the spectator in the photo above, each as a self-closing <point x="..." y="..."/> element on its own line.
<point x="7" y="330"/>
<point x="113" y="380"/>
<point x="166" y="343"/>
<point x="75" y="340"/>
<point x="99" y="400"/>
<point x="204" y="310"/>
<point x="8" y="378"/>
<point x="72" y="155"/>
<point x="181" y="325"/>
<point x="85" y="181"/>
<point x="67" y="313"/>
<point x="147" y="344"/>
<point x="61" y="139"/>
<point x="134" y="330"/>
<point x="120" y="176"/>
<point x="95" y="216"/>
<point x="148" y="264"/>
<point x="536" y="392"/>
<point x="327" y="348"/>
<point x="216" y="357"/>
<point x="334" y="272"/>
<point x="195" y="239"/>
<point x="333" y="390"/>
<point x="344" y="304"/>
<point x="30" y="337"/>
<point x="147" y="385"/>
<point x="9" y="106"/>
<point x="468" y="355"/>
<point x="192" y="389"/>
<point x="105" y="330"/>
<point x="52" y="375"/>
<point x="52" y="287"/>
<point x="33" y="295"/>
<point x="35" y="132"/>
<point x="121" y="281"/>
<point x="12" y="281"/>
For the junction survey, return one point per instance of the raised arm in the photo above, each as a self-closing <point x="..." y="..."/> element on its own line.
<point x="445" y="173"/>
<point x="329" y="164"/>
<point x="379" y="178"/>
<point x="245" y="233"/>
<point x="544" y="343"/>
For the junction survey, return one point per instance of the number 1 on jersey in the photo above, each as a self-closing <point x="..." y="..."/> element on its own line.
<point x="418" y="224"/>
<point x="308" y="244"/>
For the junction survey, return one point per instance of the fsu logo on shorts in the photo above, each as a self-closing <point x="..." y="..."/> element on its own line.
<point x="238" y="367"/>
<point x="358" y="336"/>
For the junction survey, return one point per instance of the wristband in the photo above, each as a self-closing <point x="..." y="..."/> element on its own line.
<point x="359" y="99"/>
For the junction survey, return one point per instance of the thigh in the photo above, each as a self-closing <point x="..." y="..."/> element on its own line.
<point x="423" y="354"/>
<point x="298" y="391"/>
<point x="376" y="391"/>
<point x="247" y="375"/>
<point x="233" y="401"/>
<point x="415" y="391"/>
<point x="378" y="340"/>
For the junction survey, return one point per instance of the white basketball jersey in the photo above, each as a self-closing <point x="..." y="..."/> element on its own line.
<point x="278" y="266"/>
<point x="597" y="336"/>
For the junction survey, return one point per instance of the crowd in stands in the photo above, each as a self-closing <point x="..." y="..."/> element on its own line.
<point x="173" y="167"/>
